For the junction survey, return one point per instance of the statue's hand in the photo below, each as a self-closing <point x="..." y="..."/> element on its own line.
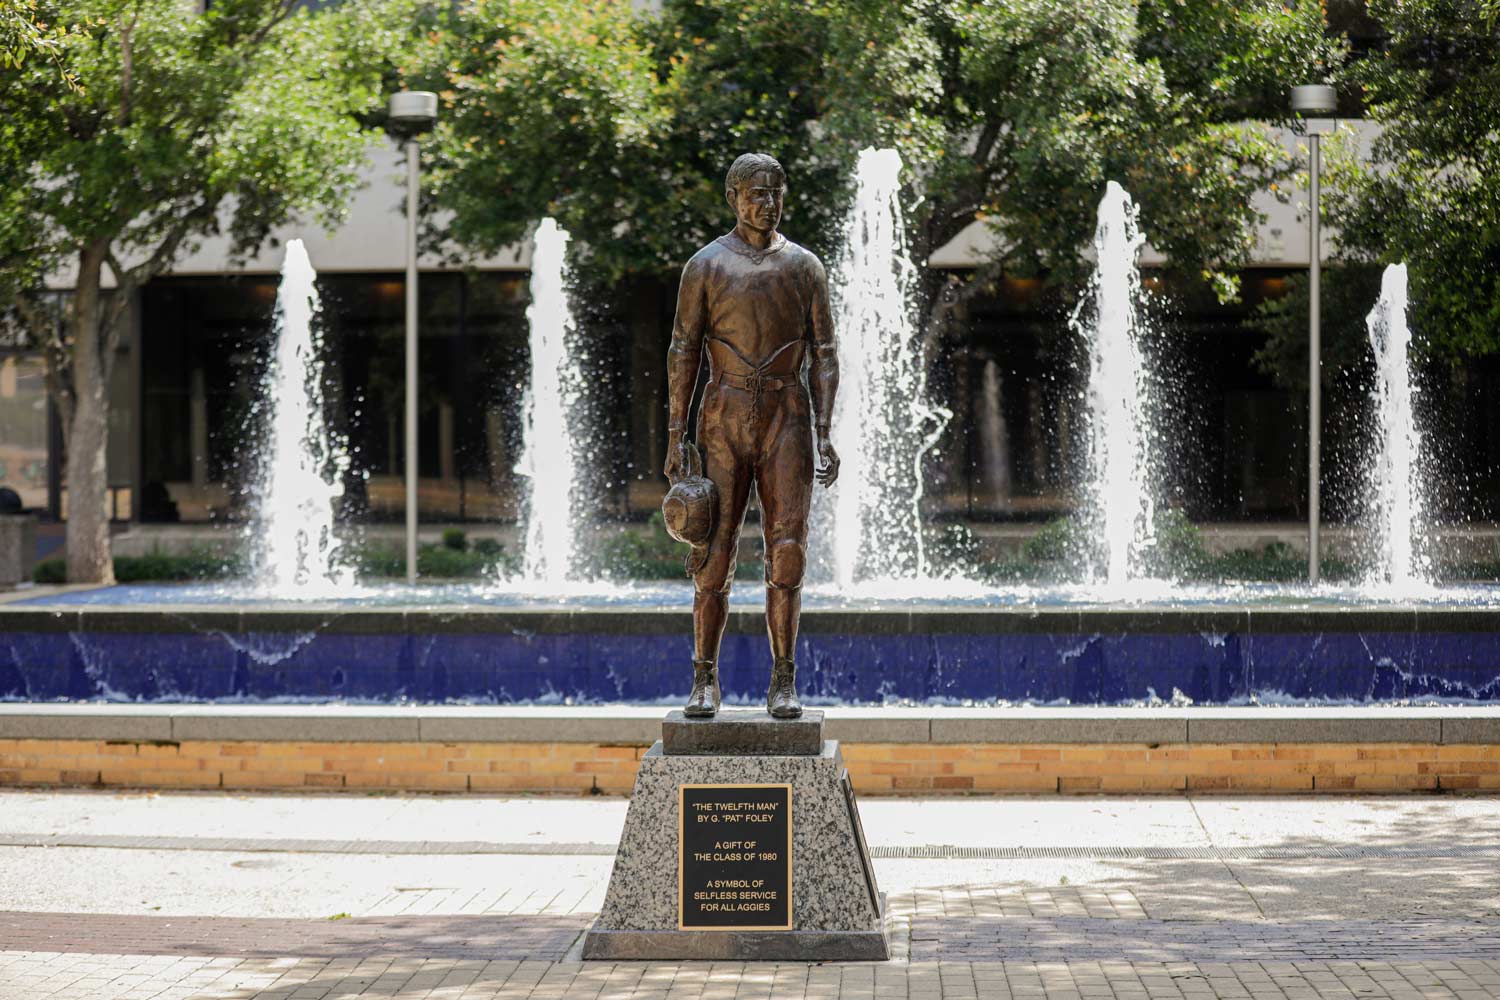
<point x="676" y="466"/>
<point x="829" y="470"/>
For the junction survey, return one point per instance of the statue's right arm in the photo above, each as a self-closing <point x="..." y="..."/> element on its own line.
<point x="684" y="357"/>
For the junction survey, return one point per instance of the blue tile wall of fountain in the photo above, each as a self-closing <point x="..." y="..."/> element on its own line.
<point x="850" y="657"/>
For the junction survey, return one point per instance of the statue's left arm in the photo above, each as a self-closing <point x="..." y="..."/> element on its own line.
<point x="823" y="372"/>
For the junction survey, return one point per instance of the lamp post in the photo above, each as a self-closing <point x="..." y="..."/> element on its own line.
<point x="1308" y="101"/>
<point x="412" y="112"/>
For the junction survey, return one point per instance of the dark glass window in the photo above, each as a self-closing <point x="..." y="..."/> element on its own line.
<point x="207" y="341"/>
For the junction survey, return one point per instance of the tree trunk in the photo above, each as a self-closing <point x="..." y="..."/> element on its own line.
<point x="89" y="559"/>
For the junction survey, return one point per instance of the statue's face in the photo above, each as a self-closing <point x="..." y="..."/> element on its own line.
<point x="757" y="203"/>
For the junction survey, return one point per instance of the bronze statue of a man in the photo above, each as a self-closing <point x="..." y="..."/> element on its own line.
<point x="757" y="305"/>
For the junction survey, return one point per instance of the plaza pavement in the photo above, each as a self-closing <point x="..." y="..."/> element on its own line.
<point x="307" y="897"/>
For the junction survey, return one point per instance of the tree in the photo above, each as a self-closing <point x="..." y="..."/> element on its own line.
<point x="1013" y="114"/>
<point x="1038" y="103"/>
<point x="1347" y="294"/>
<point x="234" y="120"/>
<point x="1428" y="191"/>
<point x="547" y="107"/>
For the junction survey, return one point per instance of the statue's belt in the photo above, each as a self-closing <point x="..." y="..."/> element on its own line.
<point x="756" y="382"/>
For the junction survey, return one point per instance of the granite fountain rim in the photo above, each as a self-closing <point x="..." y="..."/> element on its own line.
<point x="641" y="725"/>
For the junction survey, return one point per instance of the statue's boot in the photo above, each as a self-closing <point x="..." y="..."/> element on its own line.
<point x="703" y="703"/>
<point x="781" y="699"/>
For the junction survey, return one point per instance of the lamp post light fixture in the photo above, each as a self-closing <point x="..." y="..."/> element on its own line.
<point x="1309" y="101"/>
<point x="412" y="112"/>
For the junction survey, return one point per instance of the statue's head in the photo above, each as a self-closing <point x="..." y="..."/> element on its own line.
<point x="755" y="187"/>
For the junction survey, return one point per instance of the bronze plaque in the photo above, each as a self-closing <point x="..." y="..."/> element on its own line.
<point x="734" y="860"/>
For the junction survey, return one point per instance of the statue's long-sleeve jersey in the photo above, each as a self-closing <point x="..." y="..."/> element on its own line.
<point x="748" y="315"/>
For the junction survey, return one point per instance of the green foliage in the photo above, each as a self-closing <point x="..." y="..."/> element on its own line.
<point x="547" y="107"/>
<point x="248" y="106"/>
<point x="21" y="35"/>
<point x="25" y="33"/>
<point x="157" y="566"/>
<point x="1014" y="114"/>
<point x="1428" y="191"/>
<point x="1277" y="561"/>
<point x="1061" y="541"/>
<point x="762" y="76"/>
<point x="433" y="561"/>
<point x="649" y="554"/>
<point x="1062" y="548"/>
<point x="1348" y="293"/>
<point x="445" y="563"/>
<point x="197" y="564"/>
<point x="54" y="571"/>
<point x="652" y="554"/>
<point x="1043" y="102"/>
<point x="455" y="539"/>
<point x="1237" y="55"/>
<point x="1176" y="549"/>
<point x="440" y="562"/>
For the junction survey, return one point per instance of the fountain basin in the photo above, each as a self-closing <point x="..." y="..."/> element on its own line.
<point x="97" y="646"/>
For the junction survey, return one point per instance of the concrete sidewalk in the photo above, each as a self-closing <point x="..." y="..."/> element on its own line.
<point x="263" y="896"/>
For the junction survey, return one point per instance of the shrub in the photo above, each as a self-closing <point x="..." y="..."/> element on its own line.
<point x="1277" y="562"/>
<point x="643" y="555"/>
<point x="1176" y="549"/>
<point x="50" y="571"/>
<point x="652" y="554"/>
<point x="1060" y="541"/>
<point x="196" y="564"/>
<point x="455" y="539"/>
<point x="440" y="561"/>
<point x="449" y="563"/>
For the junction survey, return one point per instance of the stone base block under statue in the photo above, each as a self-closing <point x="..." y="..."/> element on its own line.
<point x="703" y="872"/>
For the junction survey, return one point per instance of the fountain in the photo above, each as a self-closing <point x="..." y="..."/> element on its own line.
<point x="1117" y="508"/>
<point x="887" y="628"/>
<point x="551" y="435"/>
<point x="1398" y="505"/>
<point x="885" y="424"/>
<point x="294" y="546"/>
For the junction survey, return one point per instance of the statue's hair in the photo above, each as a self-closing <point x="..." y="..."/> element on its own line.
<point x="747" y="166"/>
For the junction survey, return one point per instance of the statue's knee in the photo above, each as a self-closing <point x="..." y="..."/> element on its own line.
<point x="785" y="563"/>
<point x="714" y="577"/>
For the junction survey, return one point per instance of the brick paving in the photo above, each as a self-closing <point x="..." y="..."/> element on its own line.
<point x="1073" y="938"/>
<point x="1183" y="921"/>
<point x="534" y="936"/>
<point x="540" y="937"/>
<point x="40" y="976"/>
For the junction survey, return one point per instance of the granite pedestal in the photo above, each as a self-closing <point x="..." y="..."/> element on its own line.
<point x="836" y="912"/>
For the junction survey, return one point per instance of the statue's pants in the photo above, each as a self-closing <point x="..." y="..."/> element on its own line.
<point x="768" y="443"/>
